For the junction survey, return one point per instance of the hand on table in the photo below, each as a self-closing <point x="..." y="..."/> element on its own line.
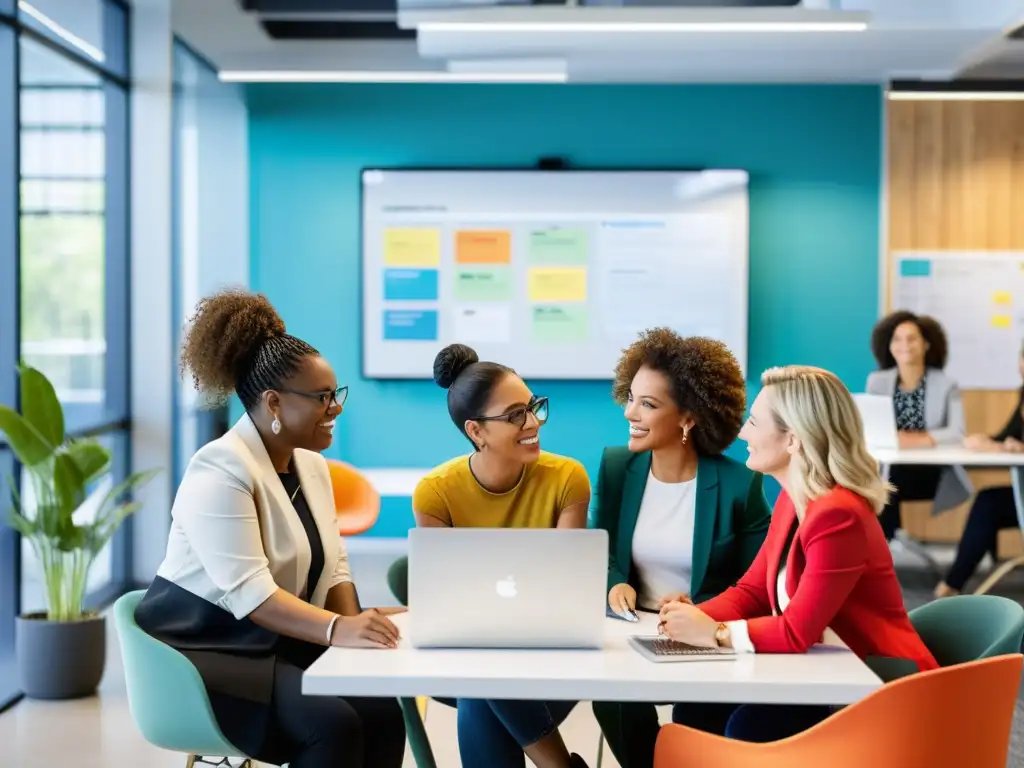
<point x="674" y="597"/>
<point x="1013" y="445"/>
<point x="687" y="623"/>
<point x="916" y="440"/>
<point x="370" y="629"/>
<point x="981" y="443"/>
<point x="622" y="599"/>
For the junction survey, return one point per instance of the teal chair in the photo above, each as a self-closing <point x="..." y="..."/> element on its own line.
<point x="970" y="627"/>
<point x="166" y="696"/>
<point x="413" y="710"/>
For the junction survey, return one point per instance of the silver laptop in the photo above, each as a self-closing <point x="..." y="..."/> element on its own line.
<point x="507" y="588"/>
<point x="876" y="411"/>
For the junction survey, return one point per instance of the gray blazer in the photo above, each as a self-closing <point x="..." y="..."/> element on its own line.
<point x="944" y="420"/>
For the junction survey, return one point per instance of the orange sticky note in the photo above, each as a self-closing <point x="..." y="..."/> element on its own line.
<point x="479" y="246"/>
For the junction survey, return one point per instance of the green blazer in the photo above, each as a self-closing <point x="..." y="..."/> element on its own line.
<point x="730" y="521"/>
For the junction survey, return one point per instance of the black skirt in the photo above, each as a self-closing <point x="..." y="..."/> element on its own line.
<point x="235" y="659"/>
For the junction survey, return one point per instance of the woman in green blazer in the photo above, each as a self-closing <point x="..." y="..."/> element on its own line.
<point x="682" y="519"/>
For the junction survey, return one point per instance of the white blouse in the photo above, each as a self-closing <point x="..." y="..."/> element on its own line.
<point x="663" y="539"/>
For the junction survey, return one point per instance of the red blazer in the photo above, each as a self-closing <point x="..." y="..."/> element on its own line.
<point x="839" y="574"/>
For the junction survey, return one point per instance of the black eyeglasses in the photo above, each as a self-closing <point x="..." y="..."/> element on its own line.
<point x="339" y="395"/>
<point x="538" y="407"/>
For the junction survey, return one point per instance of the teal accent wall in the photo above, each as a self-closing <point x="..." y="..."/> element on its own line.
<point x="813" y="153"/>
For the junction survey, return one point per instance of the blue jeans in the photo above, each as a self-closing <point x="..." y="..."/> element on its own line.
<point x="492" y="733"/>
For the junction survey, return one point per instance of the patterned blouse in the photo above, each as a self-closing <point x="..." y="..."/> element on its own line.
<point x="909" y="407"/>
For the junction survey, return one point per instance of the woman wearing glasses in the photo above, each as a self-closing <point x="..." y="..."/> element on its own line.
<point x="255" y="583"/>
<point x="506" y="482"/>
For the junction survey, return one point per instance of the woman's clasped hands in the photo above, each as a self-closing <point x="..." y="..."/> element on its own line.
<point x="686" y="623"/>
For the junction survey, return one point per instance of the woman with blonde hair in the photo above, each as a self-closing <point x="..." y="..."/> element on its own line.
<point x="824" y="574"/>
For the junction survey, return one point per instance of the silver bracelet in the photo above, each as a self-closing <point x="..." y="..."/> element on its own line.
<point x="330" y="627"/>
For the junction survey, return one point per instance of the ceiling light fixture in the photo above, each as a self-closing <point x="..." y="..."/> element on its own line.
<point x="651" y="27"/>
<point x="67" y="36"/>
<point x="366" y="76"/>
<point x="956" y="90"/>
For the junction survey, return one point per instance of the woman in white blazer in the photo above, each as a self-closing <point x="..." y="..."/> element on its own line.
<point x="255" y="584"/>
<point x="911" y="353"/>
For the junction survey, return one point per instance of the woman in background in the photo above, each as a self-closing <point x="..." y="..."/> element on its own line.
<point x="256" y="582"/>
<point x="993" y="508"/>
<point x="825" y="573"/>
<point x="911" y="353"/>
<point x="507" y="482"/>
<point x="682" y="519"/>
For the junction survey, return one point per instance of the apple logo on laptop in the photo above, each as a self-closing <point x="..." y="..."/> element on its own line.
<point x="506" y="587"/>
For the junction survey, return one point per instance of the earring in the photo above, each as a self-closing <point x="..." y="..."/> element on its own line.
<point x="686" y="434"/>
<point x="275" y="426"/>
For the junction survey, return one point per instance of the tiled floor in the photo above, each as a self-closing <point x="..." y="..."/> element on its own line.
<point x="99" y="733"/>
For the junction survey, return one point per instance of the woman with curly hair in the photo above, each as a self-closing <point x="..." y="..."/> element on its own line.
<point x="682" y="519"/>
<point x="911" y="352"/>
<point x="255" y="583"/>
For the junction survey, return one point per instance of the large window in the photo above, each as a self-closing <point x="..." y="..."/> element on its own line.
<point x="63" y="254"/>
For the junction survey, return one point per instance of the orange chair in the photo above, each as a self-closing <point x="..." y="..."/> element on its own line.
<point x="953" y="717"/>
<point x="356" y="501"/>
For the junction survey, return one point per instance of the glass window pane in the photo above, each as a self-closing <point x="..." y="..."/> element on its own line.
<point x="33" y="588"/>
<point x="77" y="24"/>
<point x="63" y="230"/>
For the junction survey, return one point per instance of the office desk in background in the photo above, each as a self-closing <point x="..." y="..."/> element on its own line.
<point x="617" y="673"/>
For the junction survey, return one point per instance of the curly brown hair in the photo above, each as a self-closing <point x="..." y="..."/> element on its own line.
<point x="236" y="342"/>
<point x="931" y="330"/>
<point x="705" y="379"/>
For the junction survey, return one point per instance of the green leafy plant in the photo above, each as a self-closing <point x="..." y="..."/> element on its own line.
<point x="63" y="473"/>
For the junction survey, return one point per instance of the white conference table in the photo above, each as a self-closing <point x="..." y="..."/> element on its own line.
<point x="617" y="673"/>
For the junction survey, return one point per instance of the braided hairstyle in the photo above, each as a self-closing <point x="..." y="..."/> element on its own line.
<point x="236" y="342"/>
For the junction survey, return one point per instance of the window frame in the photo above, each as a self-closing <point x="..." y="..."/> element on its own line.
<point x="115" y="419"/>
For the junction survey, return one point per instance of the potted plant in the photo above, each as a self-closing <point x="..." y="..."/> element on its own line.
<point x="61" y="651"/>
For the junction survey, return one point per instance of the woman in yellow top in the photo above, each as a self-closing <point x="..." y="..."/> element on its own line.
<point x="507" y="482"/>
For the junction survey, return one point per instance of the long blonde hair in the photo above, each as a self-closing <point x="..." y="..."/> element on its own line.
<point x="818" y="409"/>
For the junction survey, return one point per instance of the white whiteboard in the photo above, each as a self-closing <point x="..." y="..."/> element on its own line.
<point x="549" y="272"/>
<point x="979" y="299"/>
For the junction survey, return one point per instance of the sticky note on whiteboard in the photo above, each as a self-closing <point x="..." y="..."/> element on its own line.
<point x="1001" y="321"/>
<point x="1002" y="297"/>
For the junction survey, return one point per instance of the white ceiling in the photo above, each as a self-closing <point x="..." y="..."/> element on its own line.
<point x="904" y="39"/>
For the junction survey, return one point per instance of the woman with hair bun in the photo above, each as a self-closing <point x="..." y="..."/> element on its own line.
<point x="255" y="583"/>
<point x="506" y="482"/>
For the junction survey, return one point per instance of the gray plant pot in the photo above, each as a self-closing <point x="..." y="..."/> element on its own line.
<point x="60" y="659"/>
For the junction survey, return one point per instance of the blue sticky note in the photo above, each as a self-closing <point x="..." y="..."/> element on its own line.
<point x="410" y="325"/>
<point x="410" y="285"/>
<point x="915" y="268"/>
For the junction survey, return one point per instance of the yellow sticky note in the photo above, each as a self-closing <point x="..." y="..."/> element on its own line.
<point x="1001" y="297"/>
<point x="1001" y="321"/>
<point x="412" y="247"/>
<point x="557" y="284"/>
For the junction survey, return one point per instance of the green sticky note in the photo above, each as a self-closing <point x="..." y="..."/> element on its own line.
<point x="558" y="246"/>
<point x="559" y="323"/>
<point x="483" y="284"/>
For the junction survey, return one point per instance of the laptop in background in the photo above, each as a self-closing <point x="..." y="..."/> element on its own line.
<point x="876" y="411"/>
<point x="507" y="587"/>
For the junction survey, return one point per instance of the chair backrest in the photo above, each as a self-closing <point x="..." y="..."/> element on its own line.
<point x="969" y="627"/>
<point x="351" y="488"/>
<point x="398" y="580"/>
<point x="166" y="696"/>
<point x="919" y="720"/>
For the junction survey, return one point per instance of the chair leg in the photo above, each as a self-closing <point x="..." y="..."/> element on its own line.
<point x="999" y="573"/>
<point x="600" y="750"/>
<point x="417" y="734"/>
<point x="190" y="761"/>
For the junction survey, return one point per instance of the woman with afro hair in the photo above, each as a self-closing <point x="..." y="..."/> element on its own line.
<point x="255" y="583"/>
<point x="911" y="353"/>
<point x="682" y="519"/>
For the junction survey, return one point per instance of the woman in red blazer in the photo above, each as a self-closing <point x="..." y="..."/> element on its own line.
<point x="825" y="573"/>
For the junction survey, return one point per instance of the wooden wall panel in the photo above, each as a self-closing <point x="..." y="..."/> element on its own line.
<point x="956" y="182"/>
